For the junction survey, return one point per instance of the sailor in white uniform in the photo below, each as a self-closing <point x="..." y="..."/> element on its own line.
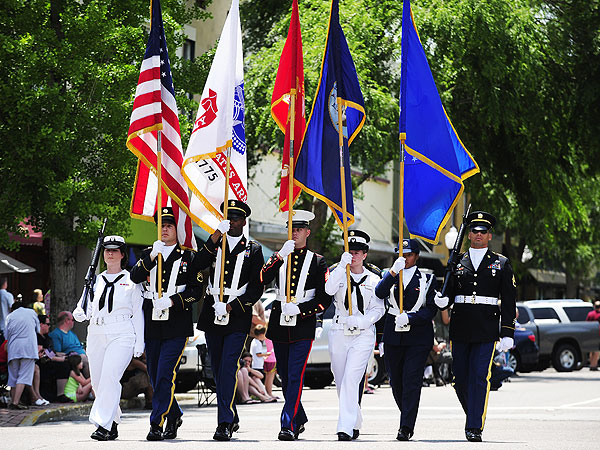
<point x="352" y="337"/>
<point x="115" y="335"/>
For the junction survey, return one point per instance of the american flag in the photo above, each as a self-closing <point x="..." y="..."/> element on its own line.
<point x="154" y="109"/>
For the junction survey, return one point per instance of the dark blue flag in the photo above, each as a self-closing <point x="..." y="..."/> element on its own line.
<point x="436" y="161"/>
<point x="318" y="163"/>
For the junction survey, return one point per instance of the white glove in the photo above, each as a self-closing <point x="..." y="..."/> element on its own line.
<point x="290" y="309"/>
<point x="505" y="344"/>
<point x="380" y="347"/>
<point x="224" y="226"/>
<point x="345" y="259"/>
<point x="137" y="352"/>
<point x="162" y="303"/>
<point x="352" y="322"/>
<point x="318" y="332"/>
<point x="286" y="249"/>
<point x="399" y="264"/>
<point x="441" y="302"/>
<point x="79" y="314"/>
<point x="220" y="309"/>
<point x="157" y="247"/>
<point x="402" y="320"/>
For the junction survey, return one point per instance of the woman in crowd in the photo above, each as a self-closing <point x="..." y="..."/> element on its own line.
<point x="115" y="334"/>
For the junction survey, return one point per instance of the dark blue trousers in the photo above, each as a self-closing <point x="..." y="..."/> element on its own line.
<point x="291" y="364"/>
<point x="405" y="365"/>
<point x="471" y="364"/>
<point x="225" y="353"/>
<point x="162" y="359"/>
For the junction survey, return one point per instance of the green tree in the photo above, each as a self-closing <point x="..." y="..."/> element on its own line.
<point x="69" y="71"/>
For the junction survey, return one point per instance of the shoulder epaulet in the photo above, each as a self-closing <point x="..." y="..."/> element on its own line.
<point x="333" y="266"/>
<point x="373" y="268"/>
<point x="499" y="254"/>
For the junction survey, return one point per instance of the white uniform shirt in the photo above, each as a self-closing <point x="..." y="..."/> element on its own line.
<point x="373" y="308"/>
<point x="127" y="302"/>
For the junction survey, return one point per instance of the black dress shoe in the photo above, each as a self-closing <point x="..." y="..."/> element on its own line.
<point x="18" y="406"/>
<point x="343" y="436"/>
<point x="286" y="435"/>
<point x="235" y="427"/>
<point x="223" y="432"/>
<point x="404" y="434"/>
<point x="101" y="434"/>
<point x="155" y="433"/>
<point x="171" y="429"/>
<point x="299" y="429"/>
<point x="113" y="433"/>
<point x="473" y="435"/>
<point x="355" y="434"/>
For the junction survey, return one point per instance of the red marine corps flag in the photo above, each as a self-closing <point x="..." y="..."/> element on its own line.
<point x="154" y="122"/>
<point x="290" y="118"/>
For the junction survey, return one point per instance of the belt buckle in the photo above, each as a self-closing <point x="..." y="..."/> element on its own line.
<point x="473" y="299"/>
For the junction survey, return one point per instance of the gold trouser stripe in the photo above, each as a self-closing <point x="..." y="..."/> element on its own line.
<point x="162" y="417"/>
<point x="487" y="392"/>
<point x="236" y="378"/>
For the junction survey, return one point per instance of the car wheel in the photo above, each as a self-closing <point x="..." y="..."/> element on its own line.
<point x="513" y="361"/>
<point x="377" y="376"/>
<point x="565" y="358"/>
<point x="318" y="381"/>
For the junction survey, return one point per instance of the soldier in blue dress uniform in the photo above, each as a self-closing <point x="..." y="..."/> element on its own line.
<point x="168" y="320"/>
<point x="227" y="324"/>
<point x="481" y="279"/>
<point x="408" y="334"/>
<point x="292" y="344"/>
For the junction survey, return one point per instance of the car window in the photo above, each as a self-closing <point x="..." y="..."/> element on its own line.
<point x="577" y="314"/>
<point x="544" y="313"/>
<point x="523" y="315"/>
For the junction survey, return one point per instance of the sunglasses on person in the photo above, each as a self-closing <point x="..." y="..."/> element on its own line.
<point x="479" y="231"/>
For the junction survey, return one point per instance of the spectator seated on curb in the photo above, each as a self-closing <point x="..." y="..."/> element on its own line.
<point x="54" y="369"/>
<point x="78" y="387"/>
<point x="136" y="381"/>
<point x="66" y="342"/>
<point x="250" y="384"/>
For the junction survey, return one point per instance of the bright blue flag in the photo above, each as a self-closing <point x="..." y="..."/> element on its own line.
<point x="436" y="161"/>
<point x="317" y="168"/>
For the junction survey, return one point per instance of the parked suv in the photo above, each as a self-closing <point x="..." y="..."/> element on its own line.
<point x="562" y="334"/>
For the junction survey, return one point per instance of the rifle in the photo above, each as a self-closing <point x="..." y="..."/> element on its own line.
<point x="453" y="259"/>
<point x="91" y="272"/>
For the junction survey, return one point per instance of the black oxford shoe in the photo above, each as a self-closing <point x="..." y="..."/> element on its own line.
<point x="343" y="436"/>
<point x="113" y="433"/>
<point x="286" y="435"/>
<point x="299" y="429"/>
<point x="473" y="435"/>
<point x="101" y="434"/>
<point x="404" y="434"/>
<point x="223" y="432"/>
<point x="155" y="433"/>
<point x="171" y="429"/>
<point x="355" y="434"/>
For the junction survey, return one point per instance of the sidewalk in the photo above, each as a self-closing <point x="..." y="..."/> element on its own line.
<point x="55" y="412"/>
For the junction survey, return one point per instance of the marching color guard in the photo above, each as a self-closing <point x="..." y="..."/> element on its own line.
<point x="226" y="324"/>
<point x="407" y="335"/>
<point x="481" y="279"/>
<point x="115" y="334"/>
<point x="168" y="321"/>
<point x="352" y="337"/>
<point x="292" y="344"/>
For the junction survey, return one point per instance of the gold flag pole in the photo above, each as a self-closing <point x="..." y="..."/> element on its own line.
<point x="344" y="213"/>
<point x="224" y="237"/>
<point x="159" y="207"/>
<point x="292" y="111"/>
<point x="401" y="222"/>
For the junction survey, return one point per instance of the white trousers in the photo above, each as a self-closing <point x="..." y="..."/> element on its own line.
<point x="349" y="358"/>
<point x="109" y="355"/>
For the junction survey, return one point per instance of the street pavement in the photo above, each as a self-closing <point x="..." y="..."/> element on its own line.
<point x="540" y="410"/>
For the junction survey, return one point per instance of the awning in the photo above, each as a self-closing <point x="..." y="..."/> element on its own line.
<point x="548" y="276"/>
<point x="10" y="265"/>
